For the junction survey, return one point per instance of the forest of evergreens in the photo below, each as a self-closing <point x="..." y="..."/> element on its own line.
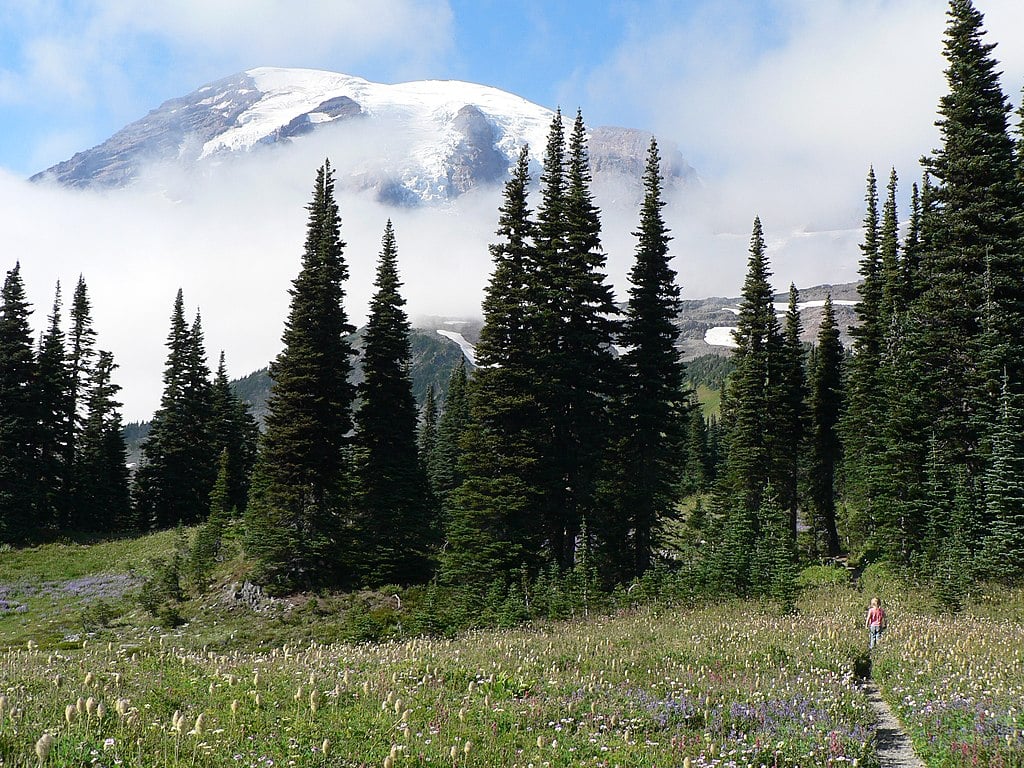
<point x="557" y="458"/>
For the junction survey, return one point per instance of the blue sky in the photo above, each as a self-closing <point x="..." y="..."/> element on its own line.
<point x="74" y="71"/>
<point x="780" y="105"/>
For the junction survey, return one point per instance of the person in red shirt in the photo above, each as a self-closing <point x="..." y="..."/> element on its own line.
<point x="875" y="622"/>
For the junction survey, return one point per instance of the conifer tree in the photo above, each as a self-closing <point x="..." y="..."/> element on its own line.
<point x="236" y="431"/>
<point x="491" y="526"/>
<point x="298" y="508"/>
<point x="81" y="353"/>
<point x="1002" y="552"/>
<point x="975" y="232"/>
<point x="101" y="490"/>
<point x="426" y="438"/>
<point x="207" y="542"/>
<point x="752" y="433"/>
<point x="773" y="562"/>
<point x="179" y="457"/>
<point x="54" y="392"/>
<point x="791" y="394"/>
<point x="825" y="451"/>
<point x="651" y="418"/>
<point x="862" y="417"/>
<point x="445" y="471"/>
<point x="397" y="530"/>
<point x="751" y="430"/>
<point x="892" y="276"/>
<point x="571" y="331"/>
<point x="19" y="408"/>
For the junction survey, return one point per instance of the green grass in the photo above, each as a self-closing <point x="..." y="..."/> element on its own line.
<point x="646" y="686"/>
<point x="710" y="400"/>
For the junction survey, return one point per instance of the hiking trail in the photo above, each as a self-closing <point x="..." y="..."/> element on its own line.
<point x="893" y="744"/>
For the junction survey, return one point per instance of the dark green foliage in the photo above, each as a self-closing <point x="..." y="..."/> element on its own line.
<point x="863" y="416"/>
<point x="650" y="420"/>
<point x="54" y="399"/>
<point x="206" y="544"/>
<point x="1002" y="552"/>
<point x="790" y="417"/>
<point x="19" y="416"/>
<point x="773" y="562"/>
<point x="161" y="594"/>
<point x="101" y="496"/>
<point x="235" y="431"/>
<point x="490" y="527"/>
<point x="299" y="500"/>
<point x="751" y="429"/>
<point x="426" y="438"/>
<point x="398" y="531"/>
<point x="709" y="370"/>
<point x="973" y="253"/>
<point x="172" y="486"/>
<point x="445" y="467"/>
<point x="825" y="448"/>
<point x="570" y="329"/>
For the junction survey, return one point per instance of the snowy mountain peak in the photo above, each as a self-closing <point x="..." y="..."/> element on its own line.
<point x="421" y="141"/>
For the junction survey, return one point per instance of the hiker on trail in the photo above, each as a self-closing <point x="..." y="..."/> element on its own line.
<point x="875" y="622"/>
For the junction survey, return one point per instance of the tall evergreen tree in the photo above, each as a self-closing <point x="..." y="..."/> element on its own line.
<point x="892" y="276"/>
<point x="398" y="532"/>
<point x="825" y="452"/>
<point x="491" y="527"/>
<point x="652" y="415"/>
<point x="751" y="429"/>
<point x="179" y="457"/>
<point x="975" y="233"/>
<point x="572" y="331"/>
<point x="54" y="393"/>
<point x="863" y="415"/>
<point x="791" y="394"/>
<point x="426" y="439"/>
<point x="236" y="431"/>
<point x="752" y="433"/>
<point x="445" y="470"/>
<point x="1002" y="551"/>
<point x="19" y="415"/>
<point x="102" y="499"/>
<point x="298" y="510"/>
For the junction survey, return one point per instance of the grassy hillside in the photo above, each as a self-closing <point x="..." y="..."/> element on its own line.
<point x="719" y="684"/>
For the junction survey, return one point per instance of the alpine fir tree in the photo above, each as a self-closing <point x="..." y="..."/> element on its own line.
<point x="652" y="415"/>
<point x="102" y="499"/>
<point x="398" y="532"/>
<point x="172" y="486"/>
<point x="790" y="415"/>
<point x="235" y="431"/>
<point x="491" y="526"/>
<point x="54" y="394"/>
<point x="19" y="416"/>
<point x="298" y="507"/>
<point x="571" y="332"/>
<point x="825" y="447"/>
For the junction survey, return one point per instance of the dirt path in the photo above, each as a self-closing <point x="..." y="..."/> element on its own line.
<point x="894" y="748"/>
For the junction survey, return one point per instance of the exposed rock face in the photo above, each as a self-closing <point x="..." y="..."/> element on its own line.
<point x="427" y="141"/>
<point x="623" y="151"/>
<point x="177" y="130"/>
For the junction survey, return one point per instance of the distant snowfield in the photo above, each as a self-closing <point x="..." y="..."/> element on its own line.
<point x="467" y="349"/>
<point x="722" y="336"/>
<point x="781" y="307"/>
<point x="424" y="110"/>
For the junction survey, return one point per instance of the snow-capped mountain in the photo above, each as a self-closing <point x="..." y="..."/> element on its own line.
<point x="416" y="142"/>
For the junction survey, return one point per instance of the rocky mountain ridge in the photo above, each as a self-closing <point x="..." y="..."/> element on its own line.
<point x="416" y="143"/>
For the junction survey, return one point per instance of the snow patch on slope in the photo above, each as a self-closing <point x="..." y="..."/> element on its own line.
<point x="467" y="349"/>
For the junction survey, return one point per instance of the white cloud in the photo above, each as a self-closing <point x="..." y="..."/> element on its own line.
<point x="783" y="121"/>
